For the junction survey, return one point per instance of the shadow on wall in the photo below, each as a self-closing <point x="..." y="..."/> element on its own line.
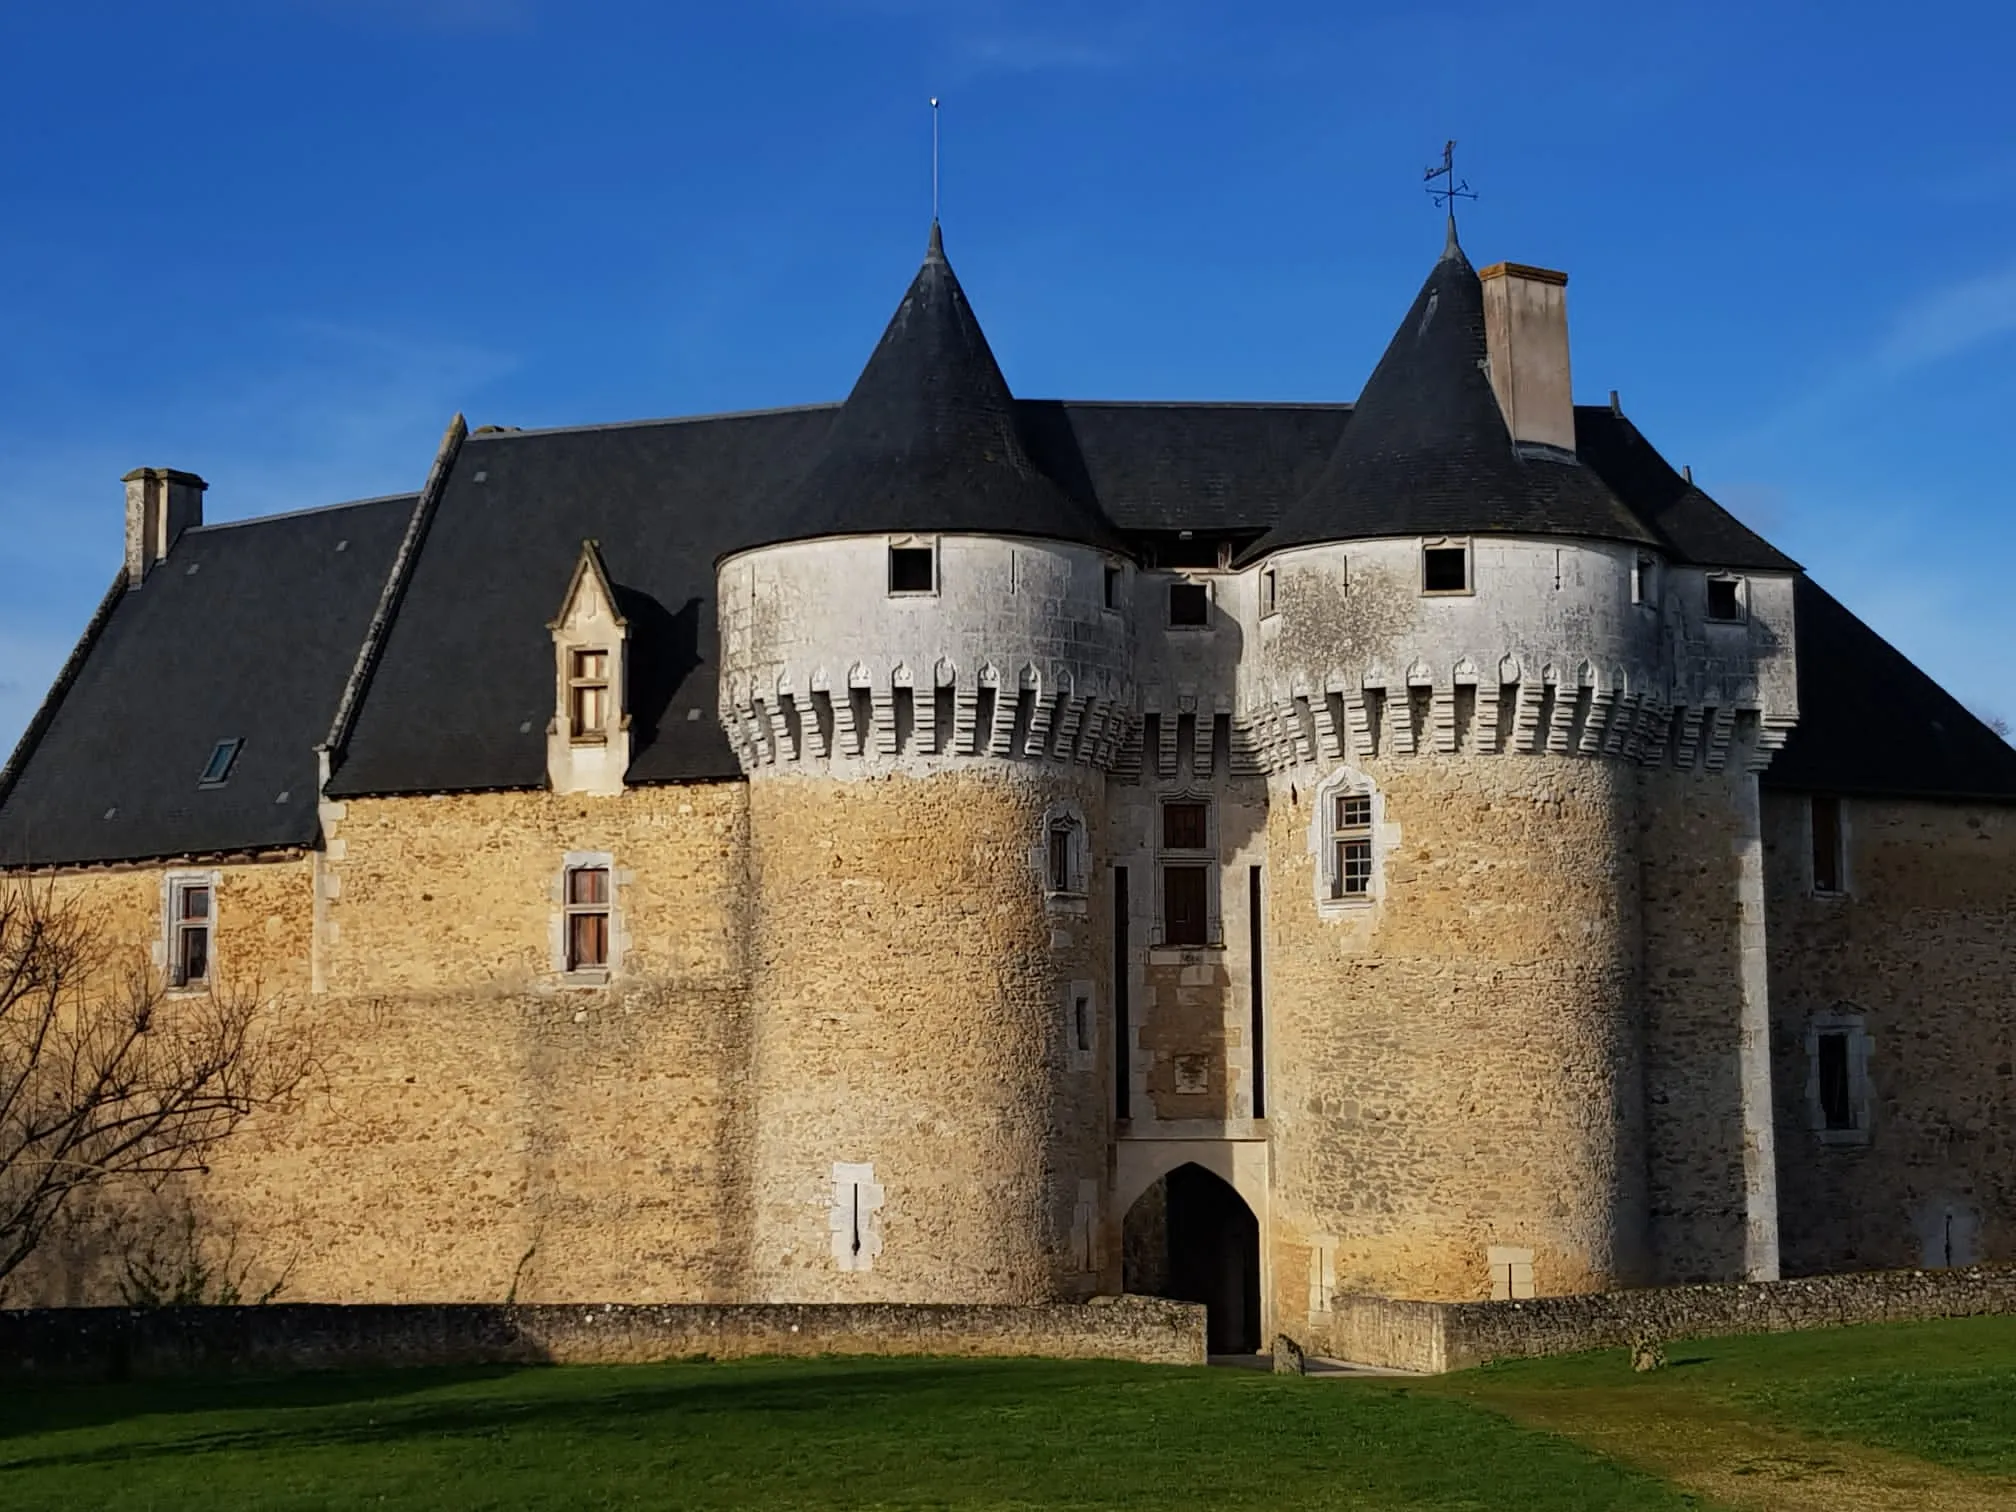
<point x="1191" y="1237"/>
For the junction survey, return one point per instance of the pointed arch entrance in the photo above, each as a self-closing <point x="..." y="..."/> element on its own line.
<point x="1192" y="1237"/>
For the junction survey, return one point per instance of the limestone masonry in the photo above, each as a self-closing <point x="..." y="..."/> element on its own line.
<point x="946" y="848"/>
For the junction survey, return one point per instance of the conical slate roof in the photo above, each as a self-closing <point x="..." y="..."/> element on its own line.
<point x="927" y="440"/>
<point x="1427" y="451"/>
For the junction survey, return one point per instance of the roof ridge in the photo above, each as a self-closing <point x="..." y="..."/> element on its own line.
<point x="507" y="433"/>
<point x="295" y="514"/>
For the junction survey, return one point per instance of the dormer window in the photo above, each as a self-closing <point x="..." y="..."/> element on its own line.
<point x="1445" y="566"/>
<point x="588" y="694"/>
<point x="217" y="770"/>
<point x="913" y="569"/>
<point x="588" y="738"/>
<point x="1725" y="600"/>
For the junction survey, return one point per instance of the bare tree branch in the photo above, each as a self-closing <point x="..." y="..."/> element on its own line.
<point x="103" y="1075"/>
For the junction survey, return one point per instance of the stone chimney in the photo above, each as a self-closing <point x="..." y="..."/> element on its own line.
<point x="1526" y="332"/>
<point x="161" y="503"/>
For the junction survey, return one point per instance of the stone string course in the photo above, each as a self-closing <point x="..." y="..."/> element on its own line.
<point x="1439" y="1336"/>
<point x="110" y="1343"/>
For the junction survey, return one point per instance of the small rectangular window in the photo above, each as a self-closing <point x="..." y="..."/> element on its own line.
<point x="1837" y="1096"/>
<point x="1644" y="586"/>
<point x="911" y="569"/>
<point x="1189" y="604"/>
<point x="217" y="770"/>
<point x="1081" y="1023"/>
<point x="1269" y="593"/>
<point x="1112" y="586"/>
<point x="587" y="918"/>
<point x="1445" y="569"/>
<point x="1827" y="856"/>
<point x="1725" y="599"/>
<point x="1351" y="841"/>
<point x="1186" y="826"/>
<point x="1061" y="869"/>
<point x="1186" y="905"/>
<point x="588" y="694"/>
<point x="189" y="934"/>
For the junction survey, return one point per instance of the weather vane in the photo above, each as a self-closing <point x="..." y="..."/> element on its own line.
<point x="1451" y="189"/>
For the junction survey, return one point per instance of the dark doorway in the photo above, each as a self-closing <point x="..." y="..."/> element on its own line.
<point x="1191" y="1237"/>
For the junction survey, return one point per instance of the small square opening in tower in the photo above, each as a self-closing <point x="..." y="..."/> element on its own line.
<point x="1189" y="604"/>
<point x="912" y="569"/>
<point x="1445" y="569"/>
<point x="1725" y="600"/>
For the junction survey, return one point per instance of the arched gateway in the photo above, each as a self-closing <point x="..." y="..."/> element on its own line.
<point x="1190" y="1236"/>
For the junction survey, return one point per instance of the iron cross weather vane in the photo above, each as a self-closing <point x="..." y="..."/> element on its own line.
<point x="1451" y="189"/>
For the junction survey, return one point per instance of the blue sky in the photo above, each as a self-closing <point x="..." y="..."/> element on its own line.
<point x="279" y="242"/>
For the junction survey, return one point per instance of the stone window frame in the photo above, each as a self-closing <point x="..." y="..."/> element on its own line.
<point x="580" y="683"/>
<point x="1511" y="1272"/>
<point x="1847" y="1021"/>
<point x="1112" y="586"/>
<point x="1450" y="543"/>
<point x="618" y="939"/>
<point x="1742" y="587"/>
<point x="1644" y="580"/>
<point x="1844" y="881"/>
<point x="928" y="543"/>
<point x="854" y="1216"/>
<point x="1207" y="857"/>
<point x="174" y="885"/>
<point x="1081" y="1039"/>
<point x="1347" y="781"/>
<point x="1270" y="592"/>
<point x="1070" y="898"/>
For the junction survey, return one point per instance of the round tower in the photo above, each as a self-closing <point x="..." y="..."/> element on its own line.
<point x="1454" y="657"/>
<point x="926" y="680"/>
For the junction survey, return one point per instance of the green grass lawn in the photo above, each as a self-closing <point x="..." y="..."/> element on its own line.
<point x="854" y="1433"/>
<point x="1943" y="1392"/>
<point x="1018" y="1433"/>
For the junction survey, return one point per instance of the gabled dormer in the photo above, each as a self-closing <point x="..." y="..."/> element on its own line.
<point x="588" y="741"/>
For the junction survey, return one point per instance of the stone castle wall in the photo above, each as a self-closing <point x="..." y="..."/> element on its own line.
<point x="1456" y="1067"/>
<point x="1702" y="975"/>
<point x="473" y="1129"/>
<point x="910" y="989"/>
<point x="1921" y="952"/>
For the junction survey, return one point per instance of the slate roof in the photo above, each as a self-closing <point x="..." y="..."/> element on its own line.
<point x="929" y="438"/>
<point x="245" y="631"/>
<point x="252" y="630"/>
<point x="1692" y="526"/>
<point x="1427" y="451"/>
<point x="463" y="690"/>
<point x="1871" y="723"/>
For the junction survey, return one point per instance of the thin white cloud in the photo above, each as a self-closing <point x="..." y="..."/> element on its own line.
<point x="1949" y="321"/>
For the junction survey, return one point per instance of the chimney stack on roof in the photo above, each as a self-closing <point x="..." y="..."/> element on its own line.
<point x="161" y="503"/>
<point x="1526" y="331"/>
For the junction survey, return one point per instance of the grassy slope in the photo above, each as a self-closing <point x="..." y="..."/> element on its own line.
<point x="862" y="1433"/>
<point x="1944" y="1392"/>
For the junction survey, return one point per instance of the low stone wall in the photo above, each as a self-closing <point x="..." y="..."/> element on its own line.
<point x="109" y="1343"/>
<point x="1438" y="1336"/>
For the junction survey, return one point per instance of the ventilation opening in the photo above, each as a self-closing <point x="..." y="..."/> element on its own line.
<point x="912" y="569"/>
<point x="1826" y="843"/>
<point x="1189" y="604"/>
<point x="1445" y="569"/>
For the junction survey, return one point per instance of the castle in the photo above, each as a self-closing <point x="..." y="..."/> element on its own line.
<point x="952" y="847"/>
